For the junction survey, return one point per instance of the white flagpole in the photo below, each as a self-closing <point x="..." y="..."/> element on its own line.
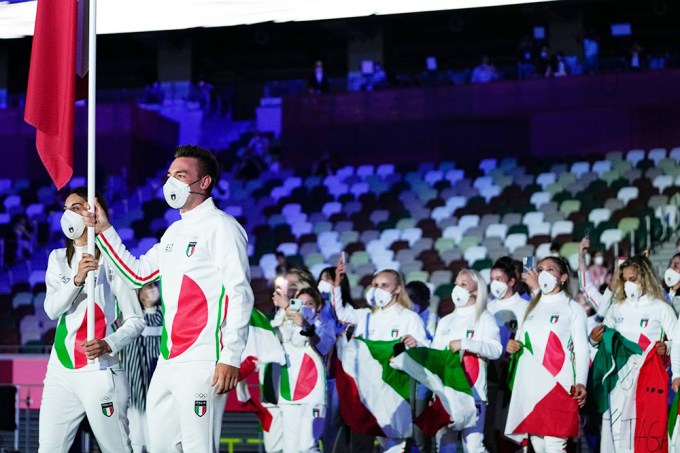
<point x="91" y="155"/>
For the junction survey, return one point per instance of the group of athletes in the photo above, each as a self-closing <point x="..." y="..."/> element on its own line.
<point x="202" y="269"/>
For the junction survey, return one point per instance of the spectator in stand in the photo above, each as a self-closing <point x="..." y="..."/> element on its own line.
<point x="558" y="65"/>
<point x="24" y="235"/>
<point x="598" y="271"/>
<point x="318" y="82"/>
<point x="543" y="62"/>
<point x="327" y="164"/>
<point x="636" y="61"/>
<point x="525" y="59"/>
<point x="281" y="264"/>
<point x="484" y="73"/>
<point x="591" y="51"/>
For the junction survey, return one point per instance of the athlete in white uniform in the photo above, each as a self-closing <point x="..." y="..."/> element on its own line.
<point x="306" y="338"/>
<point x="202" y="265"/>
<point x="640" y="314"/>
<point x="508" y="307"/>
<point x="390" y="319"/>
<point x="472" y="331"/>
<point x="85" y="378"/>
<point x="555" y="325"/>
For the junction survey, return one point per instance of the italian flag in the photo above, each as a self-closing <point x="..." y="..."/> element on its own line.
<point x="631" y="386"/>
<point x="539" y="404"/>
<point x="442" y="373"/>
<point x="374" y="397"/>
<point x="262" y="347"/>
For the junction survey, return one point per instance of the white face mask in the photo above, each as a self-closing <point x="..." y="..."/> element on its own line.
<point x="378" y="297"/>
<point x="671" y="277"/>
<point x="599" y="260"/>
<point x="498" y="288"/>
<point x="633" y="290"/>
<point x="460" y="296"/>
<point x="547" y="282"/>
<point x="324" y="287"/>
<point x="176" y="192"/>
<point x="72" y="224"/>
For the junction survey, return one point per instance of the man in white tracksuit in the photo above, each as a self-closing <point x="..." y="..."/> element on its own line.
<point x="202" y="265"/>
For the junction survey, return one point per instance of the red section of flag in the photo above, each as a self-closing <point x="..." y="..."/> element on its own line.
<point x="354" y="413"/>
<point x="643" y="342"/>
<point x="433" y="418"/>
<point x="51" y="90"/>
<point x="248" y="365"/>
<point x="651" y="407"/>
<point x="262" y="413"/>
<point x="555" y="415"/>
<point x="553" y="359"/>
<point x="471" y="367"/>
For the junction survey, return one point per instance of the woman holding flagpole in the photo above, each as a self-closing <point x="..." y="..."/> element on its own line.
<point x="84" y="378"/>
<point x="550" y="361"/>
<point x="641" y="315"/>
<point x="473" y="332"/>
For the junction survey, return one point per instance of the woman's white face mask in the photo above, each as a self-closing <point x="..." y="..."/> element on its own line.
<point x="498" y="288"/>
<point x="324" y="287"/>
<point x="633" y="291"/>
<point x="547" y="282"/>
<point x="72" y="224"/>
<point x="671" y="277"/>
<point x="460" y="296"/>
<point x="378" y="297"/>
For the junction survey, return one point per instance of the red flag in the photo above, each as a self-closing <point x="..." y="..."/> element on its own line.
<point x="51" y="92"/>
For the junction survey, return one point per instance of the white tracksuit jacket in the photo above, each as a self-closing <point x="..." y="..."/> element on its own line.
<point x="202" y="264"/>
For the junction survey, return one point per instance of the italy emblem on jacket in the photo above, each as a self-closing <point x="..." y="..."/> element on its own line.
<point x="107" y="409"/>
<point x="200" y="407"/>
<point x="191" y="248"/>
<point x="644" y="322"/>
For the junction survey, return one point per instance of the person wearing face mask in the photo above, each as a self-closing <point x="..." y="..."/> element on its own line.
<point x="598" y="271"/>
<point x="202" y="261"/>
<point x="508" y="307"/>
<point x="84" y="378"/>
<point x="306" y="338"/>
<point x="472" y="331"/>
<point x="554" y="332"/>
<point x="139" y="360"/>
<point x="642" y="316"/>
<point x="389" y="317"/>
<point x="672" y="280"/>
<point x="599" y="302"/>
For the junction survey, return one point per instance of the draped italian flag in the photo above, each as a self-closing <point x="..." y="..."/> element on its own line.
<point x="374" y="397"/>
<point x="442" y="373"/>
<point x="631" y="387"/>
<point x="673" y="425"/>
<point x="262" y="347"/>
<point x="539" y="404"/>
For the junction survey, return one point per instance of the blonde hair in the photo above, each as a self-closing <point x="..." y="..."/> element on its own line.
<point x="402" y="296"/>
<point x="564" y="269"/>
<point x="480" y="299"/>
<point x="649" y="281"/>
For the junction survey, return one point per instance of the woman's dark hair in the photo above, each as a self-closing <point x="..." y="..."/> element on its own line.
<point x="82" y="193"/>
<point x="345" y="289"/>
<point x="313" y="293"/>
<point x="512" y="268"/>
<point x="419" y="293"/>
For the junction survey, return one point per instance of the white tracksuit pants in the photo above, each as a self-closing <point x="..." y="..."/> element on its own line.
<point x="302" y="427"/>
<point x="139" y="431"/>
<point x="273" y="439"/>
<point x="69" y="396"/>
<point x="473" y="438"/>
<point x="183" y="411"/>
<point x="547" y="444"/>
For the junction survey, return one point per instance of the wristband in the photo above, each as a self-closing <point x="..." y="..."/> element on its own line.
<point x="309" y="331"/>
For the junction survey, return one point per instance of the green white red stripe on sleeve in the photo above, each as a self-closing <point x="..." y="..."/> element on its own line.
<point x="113" y="248"/>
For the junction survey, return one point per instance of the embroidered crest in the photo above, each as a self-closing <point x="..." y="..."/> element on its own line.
<point x="200" y="407"/>
<point x="470" y="333"/>
<point x="191" y="248"/>
<point x="395" y="333"/>
<point x="316" y="413"/>
<point x="554" y="319"/>
<point x="644" y="322"/>
<point x="107" y="409"/>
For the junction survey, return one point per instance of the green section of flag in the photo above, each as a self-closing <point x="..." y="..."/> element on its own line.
<point x="613" y="353"/>
<point x="381" y="351"/>
<point x="673" y="415"/>
<point x="514" y="360"/>
<point x="258" y="319"/>
<point x="444" y="364"/>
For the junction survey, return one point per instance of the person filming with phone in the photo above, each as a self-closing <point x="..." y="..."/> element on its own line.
<point x="306" y="338"/>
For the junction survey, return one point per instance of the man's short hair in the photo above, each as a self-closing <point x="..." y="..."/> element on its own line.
<point x="208" y="162"/>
